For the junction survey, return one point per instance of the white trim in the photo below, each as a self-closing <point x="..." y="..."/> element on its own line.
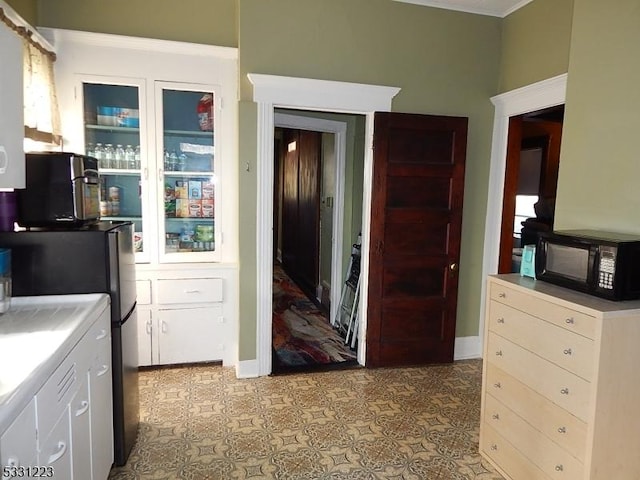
<point x="339" y="129"/>
<point x="247" y="369"/>
<point x="57" y="35"/>
<point x="494" y="9"/>
<point x="543" y="94"/>
<point x="467" y="347"/>
<point x="308" y="94"/>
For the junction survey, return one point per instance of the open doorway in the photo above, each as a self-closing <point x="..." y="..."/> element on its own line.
<point x="530" y="183"/>
<point x="317" y="194"/>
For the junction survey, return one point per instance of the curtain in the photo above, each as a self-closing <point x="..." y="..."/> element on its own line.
<point x="41" y="115"/>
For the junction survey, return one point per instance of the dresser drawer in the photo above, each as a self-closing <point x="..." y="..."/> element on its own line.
<point x="558" y="345"/>
<point x="555" y="462"/>
<point x="564" y="317"/>
<point x="189" y="290"/>
<point x="507" y="457"/>
<point x="558" y="385"/>
<point x="553" y="421"/>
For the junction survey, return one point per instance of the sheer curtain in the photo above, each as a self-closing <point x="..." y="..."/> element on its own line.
<point x="41" y="115"/>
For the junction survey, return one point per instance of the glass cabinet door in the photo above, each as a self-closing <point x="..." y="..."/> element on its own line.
<point x="187" y="162"/>
<point x="112" y="135"/>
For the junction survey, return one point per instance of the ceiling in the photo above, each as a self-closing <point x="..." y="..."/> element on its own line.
<point x="495" y="8"/>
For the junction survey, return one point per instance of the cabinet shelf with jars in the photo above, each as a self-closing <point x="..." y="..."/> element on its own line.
<point x="152" y="112"/>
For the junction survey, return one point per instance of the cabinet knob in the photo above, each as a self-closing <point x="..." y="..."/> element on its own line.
<point x="564" y="391"/>
<point x="495" y="416"/>
<point x="499" y="353"/>
<point x="501" y="320"/>
<point x="570" y="321"/>
<point x="497" y="385"/>
<point x="559" y="468"/>
<point x="562" y="430"/>
<point x="494" y="447"/>
<point x="502" y="295"/>
<point x="567" y="351"/>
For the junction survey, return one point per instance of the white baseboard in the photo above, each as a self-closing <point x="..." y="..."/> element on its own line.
<point x="247" y="369"/>
<point x="467" y="347"/>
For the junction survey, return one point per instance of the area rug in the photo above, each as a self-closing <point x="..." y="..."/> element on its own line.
<point x="302" y="334"/>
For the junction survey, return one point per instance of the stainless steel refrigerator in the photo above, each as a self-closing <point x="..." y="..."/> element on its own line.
<point x="98" y="258"/>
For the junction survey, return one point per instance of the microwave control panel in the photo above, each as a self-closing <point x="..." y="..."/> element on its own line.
<point x="607" y="267"/>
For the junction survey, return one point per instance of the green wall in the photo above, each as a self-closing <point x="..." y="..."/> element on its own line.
<point x="27" y="9"/>
<point x="445" y="62"/>
<point x="211" y="22"/>
<point x="535" y="43"/>
<point x="599" y="165"/>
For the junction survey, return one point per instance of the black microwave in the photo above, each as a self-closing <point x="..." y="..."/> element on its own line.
<point x="604" y="264"/>
<point x="62" y="191"/>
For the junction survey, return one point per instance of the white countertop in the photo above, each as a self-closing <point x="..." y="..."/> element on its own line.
<point x="36" y="334"/>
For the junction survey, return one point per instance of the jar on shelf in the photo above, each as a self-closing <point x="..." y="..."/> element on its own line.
<point x="136" y="155"/>
<point x="119" y="157"/>
<point x="109" y="156"/>
<point x="98" y="153"/>
<point x="130" y="157"/>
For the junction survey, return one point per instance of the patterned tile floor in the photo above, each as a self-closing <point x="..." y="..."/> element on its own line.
<point x="200" y="422"/>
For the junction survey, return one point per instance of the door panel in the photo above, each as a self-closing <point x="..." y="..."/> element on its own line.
<point x="418" y="181"/>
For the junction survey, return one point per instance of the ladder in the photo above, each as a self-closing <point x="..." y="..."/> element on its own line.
<point x="347" y="319"/>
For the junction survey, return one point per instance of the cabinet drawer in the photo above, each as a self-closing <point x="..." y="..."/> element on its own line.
<point x="558" y="385"/>
<point x="143" y="292"/>
<point x="55" y="395"/>
<point x="189" y="290"/>
<point x="556" y="423"/>
<point x="572" y="320"/>
<point x="509" y="459"/>
<point x="18" y="444"/>
<point x="553" y="461"/>
<point x="558" y="345"/>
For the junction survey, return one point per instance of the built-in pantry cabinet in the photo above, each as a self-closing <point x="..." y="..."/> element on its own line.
<point x="161" y="117"/>
<point x="560" y="387"/>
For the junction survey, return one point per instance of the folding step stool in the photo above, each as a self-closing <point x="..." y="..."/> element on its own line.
<point x="347" y="321"/>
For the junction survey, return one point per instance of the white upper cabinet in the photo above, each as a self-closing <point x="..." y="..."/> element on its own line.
<point x="11" y="110"/>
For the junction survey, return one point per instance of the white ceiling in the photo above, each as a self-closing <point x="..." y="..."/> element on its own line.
<point x="495" y="8"/>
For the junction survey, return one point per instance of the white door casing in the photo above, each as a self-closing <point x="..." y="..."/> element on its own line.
<point x="270" y="91"/>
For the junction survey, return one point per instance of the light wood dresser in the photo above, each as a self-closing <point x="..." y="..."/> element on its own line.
<point x="561" y="383"/>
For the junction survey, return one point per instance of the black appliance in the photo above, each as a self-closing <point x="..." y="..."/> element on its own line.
<point x="604" y="264"/>
<point x="96" y="258"/>
<point x="62" y="189"/>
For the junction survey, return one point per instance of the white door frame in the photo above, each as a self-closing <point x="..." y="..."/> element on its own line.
<point x="543" y="94"/>
<point x="270" y="91"/>
<point x="339" y="130"/>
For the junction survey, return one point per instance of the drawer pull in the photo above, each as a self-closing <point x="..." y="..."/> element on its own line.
<point x="499" y="353"/>
<point x="570" y="321"/>
<point x="567" y="351"/>
<point x="497" y="385"/>
<point x="101" y="335"/>
<point x="501" y="320"/>
<point x="562" y="430"/>
<point x="62" y="448"/>
<point x="502" y="295"/>
<point x="84" y="406"/>
<point x="559" y="468"/>
<point x="494" y="447"/>
<point x="13" y="462"/>
<point x="192" y="291"/>
<point x="149" y="327"/>
<point x="103" y="370"/>
<point x="564" y="391"/>
<point x="495" y="416"/>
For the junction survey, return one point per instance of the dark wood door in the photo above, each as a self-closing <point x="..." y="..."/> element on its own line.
<point x="416" y="217"/>
<point x="301" y="207"/>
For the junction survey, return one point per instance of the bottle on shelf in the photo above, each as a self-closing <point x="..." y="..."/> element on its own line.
<point x="130" y="158"/>
<point x="98" y="153"/>
<point x="109" y="156"/>
<point x="119" y="157"/>
<point x="136" y="155"/>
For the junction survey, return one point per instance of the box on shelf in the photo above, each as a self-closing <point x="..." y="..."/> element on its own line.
<point x="182" y="207"/>
<point x="207" y="190"/>
<point x="207" y="208"/>
<point x="118" y="117"/>
<point x="195" y="208"/>
<point x="182" y="189"/>
<point x="195" y="189"/>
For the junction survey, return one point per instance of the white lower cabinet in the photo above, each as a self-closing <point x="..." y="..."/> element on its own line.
<point x="73" y="411"/>
<point x="19" y="443"/>
<point x="560" y="389"/>
<point x="191" y="315"/>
